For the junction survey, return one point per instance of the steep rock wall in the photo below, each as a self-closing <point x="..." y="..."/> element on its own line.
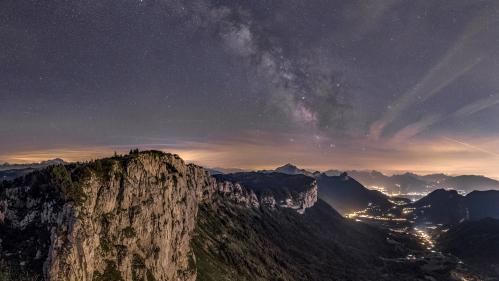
<point x="134" y="222"/>
<point x="297" y="192"/>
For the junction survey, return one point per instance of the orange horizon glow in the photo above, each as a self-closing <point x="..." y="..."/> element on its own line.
<point x="440" y="155"/>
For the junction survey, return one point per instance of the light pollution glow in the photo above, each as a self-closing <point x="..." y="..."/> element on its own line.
<point x="439" y="155"/>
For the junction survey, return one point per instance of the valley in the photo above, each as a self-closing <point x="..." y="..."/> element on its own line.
<point x="422" y="217"/>
<point x="402" y="219"/>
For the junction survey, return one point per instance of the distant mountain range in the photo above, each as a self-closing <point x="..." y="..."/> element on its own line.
<point x="341" y="191"/>
<point x="8" y="166"/>
<point x="403" y="183"/>
<point x="346" y="192"/>
<point x="12" y="171"/>
<point x="219" y="171"/>
<point x="410" y="182"/>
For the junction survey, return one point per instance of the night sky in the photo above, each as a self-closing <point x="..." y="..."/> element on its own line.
<point x="387" y="85"/>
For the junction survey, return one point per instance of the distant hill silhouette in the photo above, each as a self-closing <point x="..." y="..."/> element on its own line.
<point x="469" y="183"/>
<point x="403" y="183"/>
<point x="12" y="171"/>
<point x="346" y="195"/>
<point x="410" y="182"/>
<point x="448" y="207"/>
<point x="398" y="183"/>
<point x="8" y="166"/>
<point x="219" y="170"/>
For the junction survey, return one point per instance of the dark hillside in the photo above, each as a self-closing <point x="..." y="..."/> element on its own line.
<point x="233" y="243"/>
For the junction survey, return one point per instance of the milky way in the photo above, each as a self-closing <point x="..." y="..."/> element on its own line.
<point x="389" y="85"/>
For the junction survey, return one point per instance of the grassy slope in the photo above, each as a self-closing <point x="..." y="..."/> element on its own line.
<point x="232" y="243"/>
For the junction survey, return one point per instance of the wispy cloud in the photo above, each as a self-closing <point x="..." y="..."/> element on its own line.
<point x="415" y="128"/>
<point x="426" y="122"/>
<point x="454" y="64"/>
<point x="476" y="106"/>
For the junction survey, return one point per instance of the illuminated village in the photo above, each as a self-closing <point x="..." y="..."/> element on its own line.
<point x="402" y="220"/>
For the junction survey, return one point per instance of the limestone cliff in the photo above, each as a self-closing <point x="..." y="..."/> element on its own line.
<point x="124" y="218"/>
<point x="302" y="200"/>
<point x="297" y="192"/>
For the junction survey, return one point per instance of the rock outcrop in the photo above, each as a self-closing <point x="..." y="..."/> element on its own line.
<point x="302" y="200"/>
<point x="123" y="218"/>
<point x="238" y="194"/>
<point x="297" y="192"/>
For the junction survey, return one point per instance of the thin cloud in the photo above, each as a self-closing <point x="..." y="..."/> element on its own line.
<point x="476" y="106"/>
<point x="415" y="128"/>
<point x="420" y="126"/>
<point x="455" y="63"/>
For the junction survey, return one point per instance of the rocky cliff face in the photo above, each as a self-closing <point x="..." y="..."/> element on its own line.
<point x="245" y="196"/>
<point x="238" y="194"/>
<point x="297" y="192"/>
<point x="302" y="200"/>
<point x="132" y="222"/>
<point x="120" y="218"/>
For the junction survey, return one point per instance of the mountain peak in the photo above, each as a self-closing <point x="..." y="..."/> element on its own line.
<point x="287" y="166"/>
<point x="291" y="169"/>
<point x="54" y="161"/>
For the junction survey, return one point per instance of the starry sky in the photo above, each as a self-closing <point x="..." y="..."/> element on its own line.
<point x="387" y="85"/>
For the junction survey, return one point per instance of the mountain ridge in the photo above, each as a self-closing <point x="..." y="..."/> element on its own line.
<point x="405" y="182"/>
<point x="450" y="207"/>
